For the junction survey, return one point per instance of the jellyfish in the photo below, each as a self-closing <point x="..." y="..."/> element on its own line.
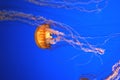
<point x="115" y="75"/>
<point x="80" y="5"/>
<point x="47" y="28"/>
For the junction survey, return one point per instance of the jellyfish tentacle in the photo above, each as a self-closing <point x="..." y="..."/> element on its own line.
<point x="75" y="5"/>
<point x="115" y="75"/>
<point x="84" y="47"/>
<point x="22" y="17"/>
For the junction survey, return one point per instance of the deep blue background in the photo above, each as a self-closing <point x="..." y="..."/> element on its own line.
<point x="21" y="59"/>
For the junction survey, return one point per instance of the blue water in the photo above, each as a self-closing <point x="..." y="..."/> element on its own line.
<point x="22" y="59"/>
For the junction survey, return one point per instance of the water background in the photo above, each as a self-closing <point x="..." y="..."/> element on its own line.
<point x="21" y="59"/>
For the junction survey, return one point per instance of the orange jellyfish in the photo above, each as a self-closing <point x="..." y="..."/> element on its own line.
<point x="51" y="32"/>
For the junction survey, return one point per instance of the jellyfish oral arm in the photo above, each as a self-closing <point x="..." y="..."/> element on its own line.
<point x="52" y="31"/>
<point x="52" y="40"/>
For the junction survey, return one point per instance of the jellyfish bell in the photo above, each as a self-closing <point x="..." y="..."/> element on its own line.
<point x="41" y="35"/>
<point x="44" y="38"/>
